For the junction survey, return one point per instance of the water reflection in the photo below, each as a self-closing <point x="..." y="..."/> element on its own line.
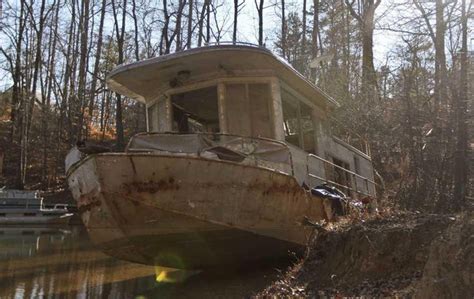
<point x="62" y="263"/>
<point x="59" y="263"/>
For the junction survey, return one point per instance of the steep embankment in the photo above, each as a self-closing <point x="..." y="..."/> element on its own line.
<point x="449" y="271"/>
<point x="384" y="257"/>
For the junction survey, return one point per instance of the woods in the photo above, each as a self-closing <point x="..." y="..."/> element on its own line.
<point x="412" y="104"/>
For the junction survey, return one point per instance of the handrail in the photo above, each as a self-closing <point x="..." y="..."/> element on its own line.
<point x="206" y="133"/>
<point x="342" y="168"/>
<point x="353" y="174"/>
<point x="258" y="153"/>
<point x="236" y="43"/>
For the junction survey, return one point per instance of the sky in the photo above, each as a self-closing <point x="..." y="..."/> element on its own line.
<point x="384" y="41"/>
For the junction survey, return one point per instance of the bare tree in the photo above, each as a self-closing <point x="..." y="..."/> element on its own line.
<point x="460" y="158"/>
<point x="316" y="36"/>
<point x="120" y="35"/>
<point x="135" y="24"/>
<point x="190" y="25"/>
<point x="95" y="72"/>
<point x="260" y="8"/>
<point x="438" y="38"/>
<point x="283" y="29"/>
<point x="181" y="4"/>
<point x="238" y="6"/>
<point x="83" y="66"/>
<point x="364" y="13"/>
<point x="303" y="29"/>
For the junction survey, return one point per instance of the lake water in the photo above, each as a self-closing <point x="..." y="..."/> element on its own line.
<point x="61" y="262"/>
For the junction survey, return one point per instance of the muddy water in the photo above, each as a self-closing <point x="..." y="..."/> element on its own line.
<point x="61" y="262"/>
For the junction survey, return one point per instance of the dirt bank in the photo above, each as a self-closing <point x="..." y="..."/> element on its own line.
<point x="374" y="258"/>
<point x="449" y="271"/>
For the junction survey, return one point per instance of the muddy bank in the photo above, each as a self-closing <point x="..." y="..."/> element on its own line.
<point x="380" y="257"/>
<point x="449" y="271"/>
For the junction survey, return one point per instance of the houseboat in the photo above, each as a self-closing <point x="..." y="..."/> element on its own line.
<point x="19" y="207"/>
<point x="234" y="133"/>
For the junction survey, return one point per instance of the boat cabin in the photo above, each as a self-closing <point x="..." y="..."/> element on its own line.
<point x="247" y="91"/>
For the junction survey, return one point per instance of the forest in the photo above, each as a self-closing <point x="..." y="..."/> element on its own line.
<point x="412" y="104"/>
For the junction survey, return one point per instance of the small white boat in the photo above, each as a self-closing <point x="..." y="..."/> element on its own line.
<point x="233" y="134"/>
<point x="26" y="207"/>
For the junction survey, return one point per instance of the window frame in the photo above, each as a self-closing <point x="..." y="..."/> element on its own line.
<point x="221" y="101"/>
<point x="295" y="99"/>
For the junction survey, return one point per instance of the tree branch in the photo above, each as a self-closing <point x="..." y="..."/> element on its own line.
<point x="352" y="11"/>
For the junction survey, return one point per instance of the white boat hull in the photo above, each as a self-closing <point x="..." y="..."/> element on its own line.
<point x="60" y="219"/>
<point x="190" y="212"/>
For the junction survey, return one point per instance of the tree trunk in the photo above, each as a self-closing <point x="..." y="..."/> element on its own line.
<point x="208" y="21"/>
<point x="303" y="42"/>
<point x="164" y="33"/>
<point x="17" y="96"/>
<point x="178" y="26"/>
<point x="120" y="34"/>
<point x="440" y="57"/>
<point x="47" y="98"/>
<point x="369" y="78"/>
<point x="190" y="25"/>
<point x="83" y="66"/>
<point x="315" y="33"/>
<point x="30" y="109"/>
<point x="260" y="22"/>
<point x="135" y="23"/>
<point x="95" y="72"/>
<point x="201" y="23"/>
<point x="236" y="15"/>
<point x="460" y="157"/>
<point x="283" y="30"/>
<point x="365" y="20"/>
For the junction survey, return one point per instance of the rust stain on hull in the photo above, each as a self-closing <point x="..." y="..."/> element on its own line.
<point x="87" y="202"/>
<point x="151" y="186"/>
<point x="159" y="196"/>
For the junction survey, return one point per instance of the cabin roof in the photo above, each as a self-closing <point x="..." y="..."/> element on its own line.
<point x="141" y="80"/>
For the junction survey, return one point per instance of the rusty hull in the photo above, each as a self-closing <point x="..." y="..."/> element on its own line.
<point x="190" y="212"/>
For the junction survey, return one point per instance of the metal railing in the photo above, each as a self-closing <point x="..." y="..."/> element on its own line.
<point x="229" y="147"/>
<point x="231" y="43"/>
<point x="353" y="176"/>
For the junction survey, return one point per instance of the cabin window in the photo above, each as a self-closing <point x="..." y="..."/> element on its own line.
<point x="248" y="109"/>
<point x="307" y="128"/>
<point x="298" y="122"/>
<point x="356" y="165"/>
<point x="290" y="122"/>
<point x="196" y="111"/>
<point x="153" y="118"/>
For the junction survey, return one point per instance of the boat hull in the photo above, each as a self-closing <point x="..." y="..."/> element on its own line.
<point x="60" y="219"/>
<point x="189" y="212"/>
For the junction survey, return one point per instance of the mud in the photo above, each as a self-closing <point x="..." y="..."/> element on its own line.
<point x="381" y="257"/>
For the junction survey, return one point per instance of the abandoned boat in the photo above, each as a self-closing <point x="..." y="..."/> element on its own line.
<point x="233" y="134"/>
<point x="21" y="207"/>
